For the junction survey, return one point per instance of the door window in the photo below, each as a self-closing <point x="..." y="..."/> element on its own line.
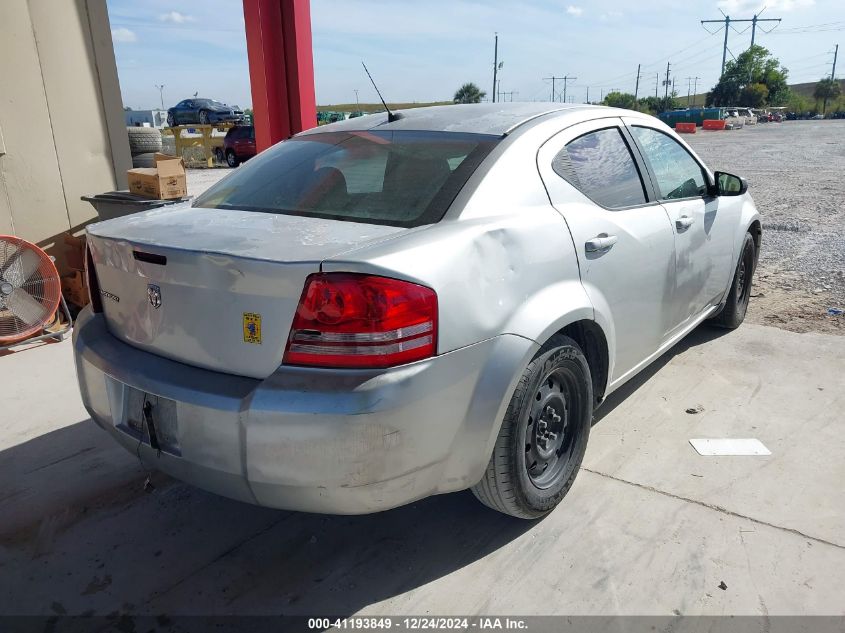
<point x="601" y="166"/>
<point x="678" y="174"/>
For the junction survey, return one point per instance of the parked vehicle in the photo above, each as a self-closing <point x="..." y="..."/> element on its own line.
<point x="380" y="310"/>
<point x="691" y="115"/>
<point x="202" y="112"/>
<point x="239" y="145"/>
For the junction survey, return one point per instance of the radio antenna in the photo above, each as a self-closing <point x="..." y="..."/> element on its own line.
<point x="391" y="116"/>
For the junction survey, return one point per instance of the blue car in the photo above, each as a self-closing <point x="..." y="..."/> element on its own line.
<point x="203" y="111"/>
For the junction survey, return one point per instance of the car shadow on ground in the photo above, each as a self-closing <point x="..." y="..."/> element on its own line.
<point x="179" y="550"/>
<point x="83" y="537"/>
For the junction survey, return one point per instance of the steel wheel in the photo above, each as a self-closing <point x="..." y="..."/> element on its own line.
<point x="543" y="435"/>
<point x="739" y="294"/>
<point x="743" y="276"/>
<point x="548" y="434"/>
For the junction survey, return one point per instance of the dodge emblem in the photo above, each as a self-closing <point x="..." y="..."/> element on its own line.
<point x="154" y="294"/>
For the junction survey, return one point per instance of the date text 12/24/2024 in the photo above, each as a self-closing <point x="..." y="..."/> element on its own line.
<point x="426" y="623"/>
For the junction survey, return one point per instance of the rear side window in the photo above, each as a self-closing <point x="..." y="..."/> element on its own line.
<point x="401" y="178"/>
<point x="677" y="172"/>
<point x="601" y="166"/>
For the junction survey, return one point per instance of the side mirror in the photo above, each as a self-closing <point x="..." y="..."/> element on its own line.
<point x="730" y="185"/>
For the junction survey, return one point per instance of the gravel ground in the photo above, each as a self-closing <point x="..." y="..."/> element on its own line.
<point x="796" y="173"/>
<point x="201" y="179"/>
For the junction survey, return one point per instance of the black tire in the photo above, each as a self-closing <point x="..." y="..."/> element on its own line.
<point x="203" y="117"/>
<point x="144" y="160"/>
<point x="736" y="303"/>
<point x="548" y="418"/>
<point x="170" y="120"/>
<point x="143" y="140"/>
<point x="231" y="158"/>
<point x="218" y="155"/>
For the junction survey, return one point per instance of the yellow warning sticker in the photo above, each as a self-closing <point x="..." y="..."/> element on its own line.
<point x="252" y="328"/>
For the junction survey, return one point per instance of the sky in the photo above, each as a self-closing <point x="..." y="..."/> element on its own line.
<point x="424" y="50"/>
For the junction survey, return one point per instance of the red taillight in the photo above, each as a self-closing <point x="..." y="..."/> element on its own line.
<point x="353" y="320"/>
<point x="91" y="280"/>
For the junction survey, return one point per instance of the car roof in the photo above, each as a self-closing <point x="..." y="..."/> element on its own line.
<point x="476" y="118"/>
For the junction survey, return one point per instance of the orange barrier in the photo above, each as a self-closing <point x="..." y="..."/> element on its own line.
<point x="685" y="128"/>
<point x="713" y="124"/>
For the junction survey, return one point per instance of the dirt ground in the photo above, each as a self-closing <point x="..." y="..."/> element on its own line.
<point x="796" y="174"/>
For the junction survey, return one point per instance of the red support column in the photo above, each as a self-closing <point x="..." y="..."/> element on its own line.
<point x="281" y="68"/>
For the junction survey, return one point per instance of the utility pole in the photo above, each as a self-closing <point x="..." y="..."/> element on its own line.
<point x="357" y="105"/>
<point x="695" y="88"/>
<point x="566" y="80"/>
<point x="161" y="90"/>
<point x="588" y="94"/>
<point x="495" y="64"/>
<point x="553" y="78"/>
<point x="656" y="81"/>
<point x="727" y="21"/>
<point x="689" y="80"/>
<point x="835" y="55"/>
<point x="754" y="22"/>
<point x="637" y="87"/>
<point x="667" y="82"/>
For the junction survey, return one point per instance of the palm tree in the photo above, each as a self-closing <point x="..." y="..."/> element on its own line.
<point x="825" y="89"/>
<point x="469" y="93"/>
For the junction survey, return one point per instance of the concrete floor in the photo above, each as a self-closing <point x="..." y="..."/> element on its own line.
<point x="650" y="527"/>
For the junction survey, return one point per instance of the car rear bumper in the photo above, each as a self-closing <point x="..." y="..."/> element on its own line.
<point x="339" y="441"/>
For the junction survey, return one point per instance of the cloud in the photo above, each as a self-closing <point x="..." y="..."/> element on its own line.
<point x="176" y="17"/>
<point x="573" y="10"/>
<point x="610" y="15"/>
<point x="123" y="35"/>
<point x="732" y="7"/>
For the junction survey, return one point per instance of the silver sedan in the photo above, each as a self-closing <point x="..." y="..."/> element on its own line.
<point x="388" y="308"/>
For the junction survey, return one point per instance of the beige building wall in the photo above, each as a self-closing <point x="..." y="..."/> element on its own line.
<point x="61" y="117"/>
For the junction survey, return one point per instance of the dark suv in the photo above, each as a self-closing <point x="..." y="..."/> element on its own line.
<point x="239" y="145"/>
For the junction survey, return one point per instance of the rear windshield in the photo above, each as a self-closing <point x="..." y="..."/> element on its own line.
<point x="400" y="178"/>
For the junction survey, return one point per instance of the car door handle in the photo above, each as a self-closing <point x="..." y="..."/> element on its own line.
<point x="684" y="222"/>
<point x="600" y="243"/>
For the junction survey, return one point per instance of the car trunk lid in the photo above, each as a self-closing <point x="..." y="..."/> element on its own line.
<point x="210" y="287"/>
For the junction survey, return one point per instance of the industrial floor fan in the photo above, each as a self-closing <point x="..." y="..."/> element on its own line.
<point x="30" y="292"/>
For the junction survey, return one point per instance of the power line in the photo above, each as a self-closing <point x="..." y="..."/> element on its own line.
<point x="727" y="21"/>
<point x="566" y="79"/>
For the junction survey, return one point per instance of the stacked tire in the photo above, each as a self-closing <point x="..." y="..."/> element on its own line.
<point x="144" y="142"/>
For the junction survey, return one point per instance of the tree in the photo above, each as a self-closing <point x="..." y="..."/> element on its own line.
<point x="620" y="100"/>
<point x="826" y="89"/>
<point x="754" y="95"/>
<point x="469" y="93"/>
<point x="754" y="66"/>
<point x="656" y="105"/>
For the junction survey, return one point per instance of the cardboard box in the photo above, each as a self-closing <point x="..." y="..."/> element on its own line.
<point x="75" y="289"/>
<point x="165" y="181"/>
<point x="75" y="251"/>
